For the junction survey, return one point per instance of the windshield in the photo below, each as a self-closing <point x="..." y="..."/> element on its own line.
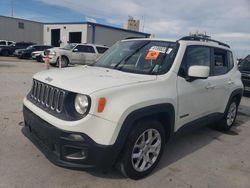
<point x="139" y="56"/>
<point x="69" y="46"/>
<point x="30" y="47"/>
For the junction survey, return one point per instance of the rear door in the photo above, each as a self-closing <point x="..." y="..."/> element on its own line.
<point x="221" y="77"/>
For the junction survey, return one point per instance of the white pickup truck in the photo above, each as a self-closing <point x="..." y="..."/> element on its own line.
<point x="74" y="53"/>
<point x="6" y="43"/>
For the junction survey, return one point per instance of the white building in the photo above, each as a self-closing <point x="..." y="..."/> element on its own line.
<point x="86" y="32"/>
<point x="58" y="34"/>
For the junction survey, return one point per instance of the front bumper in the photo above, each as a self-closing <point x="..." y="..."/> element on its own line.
<point x="52" y="59"/>
<point x="79" y="152"/>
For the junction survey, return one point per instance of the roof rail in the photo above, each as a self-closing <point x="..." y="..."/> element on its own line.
<point x="197" y="38"/>
<point x="135" y="38"/>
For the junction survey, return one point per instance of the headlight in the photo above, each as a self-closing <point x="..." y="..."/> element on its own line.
<point x="81" y="103"/>
<point x="52" y="53"/>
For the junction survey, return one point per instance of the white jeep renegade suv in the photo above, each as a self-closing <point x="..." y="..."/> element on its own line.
<point x="123" y="109"/>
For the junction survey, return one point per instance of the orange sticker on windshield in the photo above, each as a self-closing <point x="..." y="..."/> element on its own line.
<point x="152" y="55"/>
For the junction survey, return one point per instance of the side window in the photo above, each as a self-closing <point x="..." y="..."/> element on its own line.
<point x="9" y="43"/>
<point x="194" y="55"/>
<point x="220" y="62"/>
<point x="44" y="47"/>
<point x="230" y="60"/>
<point x="85" y="48"/>
<point x="18" y="45"/>
<point x="36" y="48"/>
<point x="101" y="50"/>
<point x="2" y="43"/>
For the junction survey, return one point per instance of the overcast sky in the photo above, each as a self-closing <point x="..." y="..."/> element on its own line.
<point x="226" y="20"/>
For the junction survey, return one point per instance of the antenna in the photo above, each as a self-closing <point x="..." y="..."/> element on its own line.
<point x="12" y="9"/>
<point x="143" y="22"/>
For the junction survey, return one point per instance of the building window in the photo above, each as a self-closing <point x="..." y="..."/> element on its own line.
<point x="20" y="25"/>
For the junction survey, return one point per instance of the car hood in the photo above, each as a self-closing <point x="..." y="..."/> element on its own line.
<point x="87" y="80"/>
<point x="37" y="52"/>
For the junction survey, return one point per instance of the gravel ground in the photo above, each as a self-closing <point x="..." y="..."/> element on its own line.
<point x="199" y="158"/>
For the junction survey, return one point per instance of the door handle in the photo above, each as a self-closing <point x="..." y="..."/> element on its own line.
<point x="210" y="86"/>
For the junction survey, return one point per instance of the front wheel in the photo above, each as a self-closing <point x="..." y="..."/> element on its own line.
<point x="64" y="61"/>
<point x="143" y="150"/>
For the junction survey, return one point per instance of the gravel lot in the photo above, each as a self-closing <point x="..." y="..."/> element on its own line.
<point x="199" y="158"/>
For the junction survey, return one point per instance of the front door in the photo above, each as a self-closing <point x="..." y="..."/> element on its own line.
<point x="195" y="97"/>
<point x="85" y="54"/>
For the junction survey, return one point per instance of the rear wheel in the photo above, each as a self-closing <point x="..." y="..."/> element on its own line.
<point x="229" y="117"/>
<point x="143" y="149"/>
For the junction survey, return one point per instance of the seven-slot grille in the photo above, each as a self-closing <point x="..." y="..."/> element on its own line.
<point x="48" y="96"/>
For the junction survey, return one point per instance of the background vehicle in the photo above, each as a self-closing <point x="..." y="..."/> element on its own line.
<point x="26" y="53"/>
<point x="122" y="110"/>
<point x="6" y="42"/>
<point x="9" y="50"/>
<point x="37" y="55"/>
<point x="244" y="68"/>
<point x="76" y="54"/>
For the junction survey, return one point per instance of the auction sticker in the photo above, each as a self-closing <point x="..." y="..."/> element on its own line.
<point x="160" y="49"/>
<point x="152" y="55"/>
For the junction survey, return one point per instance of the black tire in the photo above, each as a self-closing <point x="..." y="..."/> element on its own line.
<point x="5" y="53"/>
<point x="65" y="61"/>
<point x="132" y="168"/>
<point x="229" y="117"/>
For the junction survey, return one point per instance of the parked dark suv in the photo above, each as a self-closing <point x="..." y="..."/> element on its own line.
<point x="244" y="68"/>
<point x="9" y="50"/>
<point x="26" y="53"/>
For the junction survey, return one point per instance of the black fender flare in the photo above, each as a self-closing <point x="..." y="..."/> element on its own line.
<point x="144" y="112"/>
<point x="234" y="94"/>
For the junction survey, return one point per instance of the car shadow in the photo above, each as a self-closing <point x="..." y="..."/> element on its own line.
<point x="186" y="141"/>
<point x="194" y="138"/>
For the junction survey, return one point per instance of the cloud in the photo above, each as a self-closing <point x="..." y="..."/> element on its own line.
<point x="90" y="19"/>
<point x="226" y="20"/>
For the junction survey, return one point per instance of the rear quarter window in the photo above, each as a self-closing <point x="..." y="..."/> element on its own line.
<point x="230" y="60"/>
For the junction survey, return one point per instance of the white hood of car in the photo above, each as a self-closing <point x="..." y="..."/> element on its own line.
<point x="86" y="79"/>
<point x="57" y="49"/>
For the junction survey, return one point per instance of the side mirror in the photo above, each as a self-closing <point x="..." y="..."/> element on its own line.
<point x="75" y="50"/>
<point x="198" y="71"/>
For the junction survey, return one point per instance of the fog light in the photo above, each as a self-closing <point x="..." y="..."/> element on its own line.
<point x="76" y="137"/>
<point x="77" y="156"/>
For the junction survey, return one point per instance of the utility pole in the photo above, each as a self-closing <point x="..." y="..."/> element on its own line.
<point x="12" y="9"/>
